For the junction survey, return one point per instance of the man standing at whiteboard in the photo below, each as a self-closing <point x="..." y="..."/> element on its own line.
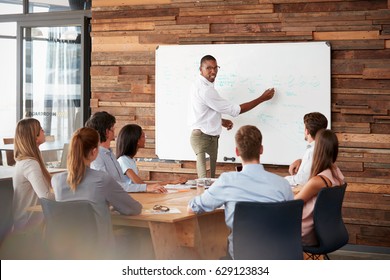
<point x="207" y="107"/>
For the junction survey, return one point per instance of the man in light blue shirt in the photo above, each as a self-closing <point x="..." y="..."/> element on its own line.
<point x="253" y="183"/>
<point x="106" y="161"/>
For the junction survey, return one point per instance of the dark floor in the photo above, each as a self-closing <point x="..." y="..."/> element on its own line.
<point x="361" y="252"/>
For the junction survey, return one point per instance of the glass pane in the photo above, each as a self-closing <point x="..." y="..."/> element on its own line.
<point x="8" y="79"/>
<point x="8" y="29"/>
<point x="8" y="7"/>
<point x="41" y="6"/>
<point x="51" y="78"/>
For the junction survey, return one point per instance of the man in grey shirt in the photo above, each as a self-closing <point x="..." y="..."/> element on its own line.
<point x="106" y="161"/>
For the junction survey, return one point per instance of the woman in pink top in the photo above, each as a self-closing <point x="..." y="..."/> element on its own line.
<point x="324" y="173"/>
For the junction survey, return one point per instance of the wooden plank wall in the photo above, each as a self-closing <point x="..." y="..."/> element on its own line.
<point x="125" y="34"/>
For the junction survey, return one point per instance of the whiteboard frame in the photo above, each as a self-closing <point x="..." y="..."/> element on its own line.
<point x="296" y="70"/>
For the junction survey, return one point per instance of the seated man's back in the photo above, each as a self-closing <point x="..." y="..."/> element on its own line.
<point x="253" y="183"/>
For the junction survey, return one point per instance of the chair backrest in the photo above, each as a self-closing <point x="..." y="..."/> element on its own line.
<point x="64" y="155"/>
<point x="268" y="230"/>
<point x="49" y="156"/>
<point x="6" y="198"/>
<point x="328" y="222"/>
<point x="71" y="229"/>
<point x="8" y="140"/>
<point x="9" y="154"/>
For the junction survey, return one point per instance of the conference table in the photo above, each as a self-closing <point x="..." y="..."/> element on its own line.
<point x="178" y="234"/>
<point x="46" y="146"/>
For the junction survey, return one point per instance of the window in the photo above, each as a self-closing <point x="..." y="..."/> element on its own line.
<point x="8" y="78"/>
<point x="41" y="6"/>
<point x="8" y="7"/>
<point x="45" y="55"/>
<point x="52" y="78"/>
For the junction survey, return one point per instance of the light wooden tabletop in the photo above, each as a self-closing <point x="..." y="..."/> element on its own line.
<point x="6" y="172"/>
<point x="174" y="201"/>
<point x="46" y="146"/>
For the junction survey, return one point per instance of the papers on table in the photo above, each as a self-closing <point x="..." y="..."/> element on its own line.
<point x="171" y="211"/>
<point x="191" y="184"/>
<point x="208" y="181"/>
<point x="178" y="187"/>
<point x="176" y="191"/>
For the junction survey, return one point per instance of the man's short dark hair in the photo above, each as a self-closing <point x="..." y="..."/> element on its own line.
<point x="314" y="122"/>
<point x="248" y="142"/>
<point x="207" y="58"/>
<point x="101" y="121"/>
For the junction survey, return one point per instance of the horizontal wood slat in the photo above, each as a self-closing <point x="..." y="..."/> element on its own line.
<point x="125" y="104"/>
<point x="346" y="35"/>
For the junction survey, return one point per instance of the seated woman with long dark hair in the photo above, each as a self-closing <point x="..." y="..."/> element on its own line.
<point x="324" y="173"/>
<point x="130" y="139"/>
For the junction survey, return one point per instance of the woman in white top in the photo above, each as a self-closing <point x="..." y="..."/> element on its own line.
<point x="131" y="138"/>
<point x="31" y="179"/>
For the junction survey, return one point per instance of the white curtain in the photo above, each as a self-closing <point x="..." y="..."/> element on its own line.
<point x="62" y="87"/>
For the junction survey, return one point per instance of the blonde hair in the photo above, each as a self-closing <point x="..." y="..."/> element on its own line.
<point x="83" y="141"/>
<point x="25" y="143"/>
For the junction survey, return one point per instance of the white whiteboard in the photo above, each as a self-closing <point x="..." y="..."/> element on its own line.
<point x="299" y="72"/>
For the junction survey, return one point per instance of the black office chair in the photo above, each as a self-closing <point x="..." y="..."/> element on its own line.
<point x="268" y="230"/>
<point x="70" y="229"/>
<point x="328" y="223"/>
<point x="6" y="218"/>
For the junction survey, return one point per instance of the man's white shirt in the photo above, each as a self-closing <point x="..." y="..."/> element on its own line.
<point x="303" y="173"/>
<point x="207" y="107"/>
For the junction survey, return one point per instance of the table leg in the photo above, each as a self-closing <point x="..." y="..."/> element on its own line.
<point x="203" y="237"/>
<point x="214" y="234"/>
<point x="180" y="240"/>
